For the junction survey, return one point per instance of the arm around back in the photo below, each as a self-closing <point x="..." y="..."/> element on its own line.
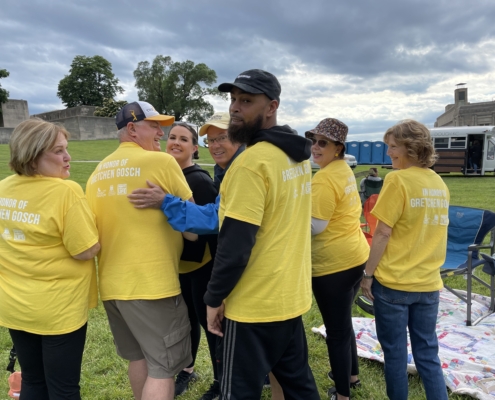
<point x="89" y="253"/>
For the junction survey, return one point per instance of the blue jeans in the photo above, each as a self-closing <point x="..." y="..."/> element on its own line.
<point x="395" y="311"/>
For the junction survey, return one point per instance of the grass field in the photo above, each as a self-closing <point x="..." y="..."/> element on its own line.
<point x="104" y="374"/>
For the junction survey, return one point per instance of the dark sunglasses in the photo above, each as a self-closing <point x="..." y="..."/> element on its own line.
<point x="322" y="143"/>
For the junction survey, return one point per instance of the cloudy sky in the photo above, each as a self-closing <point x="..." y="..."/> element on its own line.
<point x="368" y="63"/>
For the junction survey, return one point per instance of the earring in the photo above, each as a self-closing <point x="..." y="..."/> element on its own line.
<point x="336" y="154"/>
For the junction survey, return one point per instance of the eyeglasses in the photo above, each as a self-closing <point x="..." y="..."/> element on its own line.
<point x="322" y="143"/>
<point x="219" y="140"/>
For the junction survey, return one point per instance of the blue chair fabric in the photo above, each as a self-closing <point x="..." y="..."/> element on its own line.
<point x="467" y="230"/>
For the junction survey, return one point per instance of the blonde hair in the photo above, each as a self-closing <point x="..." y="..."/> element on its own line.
<point x="30" y="139"/>
<point x="417" y="140"/>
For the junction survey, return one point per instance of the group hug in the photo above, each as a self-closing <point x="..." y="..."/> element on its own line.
<point x="171" y="251"/>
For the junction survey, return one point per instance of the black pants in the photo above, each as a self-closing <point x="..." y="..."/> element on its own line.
<point x="193" y="286"/>
<point x="50" y="364"/>
<point x="251" y="350"/>
<point x="334" y="294"/>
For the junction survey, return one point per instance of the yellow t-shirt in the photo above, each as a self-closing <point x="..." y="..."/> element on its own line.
<point x="414" y="202"/>
<point x="43" y="223"/>
<point x="140" y="251"/>
<point x="264" y="187"/>
<point x="335" y="198"/>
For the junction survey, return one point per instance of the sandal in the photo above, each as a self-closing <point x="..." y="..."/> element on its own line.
<point x="352" y="385"/>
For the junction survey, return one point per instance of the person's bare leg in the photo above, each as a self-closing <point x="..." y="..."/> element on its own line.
<point x="354" y="378"/>
<point x="277" y="392"/>
<point x="138" y="373"/>
<point x="158" y="389"/>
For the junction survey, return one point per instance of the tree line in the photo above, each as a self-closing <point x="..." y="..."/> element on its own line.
<point x="4" y="94"/>
<point x="173" y="88"/>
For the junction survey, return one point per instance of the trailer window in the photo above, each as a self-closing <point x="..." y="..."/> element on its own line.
<point x="441" y="143"/>
<point x="490" y="153"/>
<point x="458" y="142"/>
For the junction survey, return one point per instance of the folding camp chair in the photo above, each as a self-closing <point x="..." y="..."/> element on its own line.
<point x="371" y="221"/>
<point x="467" y="229"/>
<point x="371" y="187"/>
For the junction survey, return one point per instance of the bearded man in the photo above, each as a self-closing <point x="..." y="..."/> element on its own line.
<point x="261" y="279"/>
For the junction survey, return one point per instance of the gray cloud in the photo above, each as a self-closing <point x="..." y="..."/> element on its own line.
<point x="322" y="51"/>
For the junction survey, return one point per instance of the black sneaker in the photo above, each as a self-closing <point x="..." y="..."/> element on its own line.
<point x="213" y="392"/>
<point x="182" y="381"/>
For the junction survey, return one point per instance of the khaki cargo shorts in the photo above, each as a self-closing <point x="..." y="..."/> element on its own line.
<point x="155" y="330"/>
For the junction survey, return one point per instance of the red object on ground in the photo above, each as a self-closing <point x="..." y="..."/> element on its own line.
<point x="15" y="385"/>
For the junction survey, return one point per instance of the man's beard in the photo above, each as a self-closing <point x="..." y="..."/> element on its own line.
<point x="243" y="133"/>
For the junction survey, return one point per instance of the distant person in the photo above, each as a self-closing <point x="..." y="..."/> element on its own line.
<point x="373" y="177"/>
<point x="47" y="269"/>
<point x="339" y="251"/>
<point x="402" y="275"/>
<point x="476" y="155"/>
<point x="139" y="260"/>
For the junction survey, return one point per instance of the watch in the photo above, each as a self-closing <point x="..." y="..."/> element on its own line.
<point x="366" y="276"/>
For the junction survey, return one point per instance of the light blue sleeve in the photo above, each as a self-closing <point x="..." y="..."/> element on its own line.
<point x="185" y="216"/>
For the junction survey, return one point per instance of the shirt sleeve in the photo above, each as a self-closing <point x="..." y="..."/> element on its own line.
<point x="242" y="205"/>
<point x="177" y="184"/>
<point x="185" y="216"/>
<point x="80" y="231"/>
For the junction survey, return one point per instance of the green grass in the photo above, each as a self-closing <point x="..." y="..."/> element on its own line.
<point x="104" y="374"/>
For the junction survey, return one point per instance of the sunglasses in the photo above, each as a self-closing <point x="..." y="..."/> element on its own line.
<point x="322" y="143"/>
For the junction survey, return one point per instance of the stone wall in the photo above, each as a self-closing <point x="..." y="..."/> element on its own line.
<point x="477" y="114"/>
<point x="13" y="113"/>
<point x="52" y="116"/>
<point x="5" y="135"/>
<point x="79" y="122"/>
<point x="89" y="128"/>
<point x="447" y="118"/>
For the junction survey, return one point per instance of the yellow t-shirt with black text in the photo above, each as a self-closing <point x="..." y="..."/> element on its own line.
<point x="414" y="202"/>
<point x="264" y="187"/>
<point x="43" y="223"/>
<point x="335" y="198"/>
<point x="140" y="251"/>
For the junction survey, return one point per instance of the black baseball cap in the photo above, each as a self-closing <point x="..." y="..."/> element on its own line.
<point x="255" y="81"/>
<point x="139" y="111"/>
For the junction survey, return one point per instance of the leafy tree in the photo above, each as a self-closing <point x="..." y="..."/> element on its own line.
<point x="110" y="108"/>
<point x="4" y="94"/>
<point x="90" y="80"/>
<point x="177" y="88"/>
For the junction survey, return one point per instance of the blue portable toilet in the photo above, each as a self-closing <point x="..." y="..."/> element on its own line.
<point x="365" y="152"/>
<point x="377" y="152"/>
<point x="352" y="148"/>
<point x="386" y="158"/>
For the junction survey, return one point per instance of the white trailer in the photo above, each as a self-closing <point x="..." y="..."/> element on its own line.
<point x="453" y="144"/>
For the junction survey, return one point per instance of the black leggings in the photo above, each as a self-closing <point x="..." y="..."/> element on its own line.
<point x="334" y="294"/>
<point x="50" y="364"/>
<point x="193" y="286"/>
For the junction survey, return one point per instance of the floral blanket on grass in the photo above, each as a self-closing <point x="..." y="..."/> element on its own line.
<point x="467" y="353"/>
